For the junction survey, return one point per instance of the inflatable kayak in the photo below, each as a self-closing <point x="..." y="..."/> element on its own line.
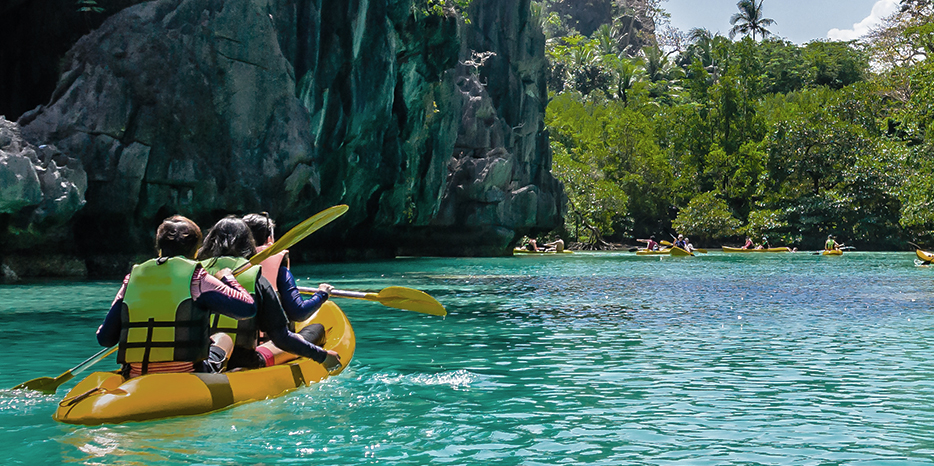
<point x="924" y="256"/>
<point x="660" y="252"/>
<point x="526" y="251"/>
<point x="678" y="252"/>
<point x="108" y="398"/>
<point x="729" y="249"/>
<point x="832" y="252"/>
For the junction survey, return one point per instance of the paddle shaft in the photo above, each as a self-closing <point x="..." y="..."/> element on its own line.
<point x="397" y="297"/>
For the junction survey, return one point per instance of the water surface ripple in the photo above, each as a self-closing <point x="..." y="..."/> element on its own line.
<point x="583" y="359"/>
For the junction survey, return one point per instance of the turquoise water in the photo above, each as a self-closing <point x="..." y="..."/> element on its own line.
<point x="583" y="359"/>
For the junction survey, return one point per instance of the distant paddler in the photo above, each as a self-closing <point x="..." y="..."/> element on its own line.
<point x="831" y="244"/>
<point x="650" y="244"/>
<point x="555" y="246"/>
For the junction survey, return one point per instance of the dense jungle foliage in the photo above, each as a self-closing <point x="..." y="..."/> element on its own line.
<point x="719" y="138"/>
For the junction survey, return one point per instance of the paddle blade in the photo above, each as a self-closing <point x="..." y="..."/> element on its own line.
<point x="399" y="297"/>
<point x="44" y="384"/>
<point x="49" y="385"/>
<point x="410" y="299"/>
<point x="666" y="243"/>
<point x="300" y="231"/>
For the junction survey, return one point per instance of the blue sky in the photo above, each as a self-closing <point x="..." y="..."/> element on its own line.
<point x="799" y="21"/>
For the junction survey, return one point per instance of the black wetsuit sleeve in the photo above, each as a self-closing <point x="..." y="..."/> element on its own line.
<point x="295" y="307"/>
<point x="271" y="319"/>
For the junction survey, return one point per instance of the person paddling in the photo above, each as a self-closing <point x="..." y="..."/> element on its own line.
<point x="228" y="244"/>
<point x="831" y="244"/>
<point x="687" y="245"/>
<point x="650" y="244"/>
<point x="160" y="314"/>
<point x="679" y="241"/>
<point x="555" y="246"/>
<point x="276" y="271"/>
<point x="748" y="243"/>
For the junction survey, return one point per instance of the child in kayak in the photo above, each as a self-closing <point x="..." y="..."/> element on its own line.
<point x="687" y="245"/>
<point x="276" y="270"/>
<point x="228" y="243"/>
<point x="173" y="292"/>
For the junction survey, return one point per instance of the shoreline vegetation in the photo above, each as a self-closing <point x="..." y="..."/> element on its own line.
<point x="723" y="137"/>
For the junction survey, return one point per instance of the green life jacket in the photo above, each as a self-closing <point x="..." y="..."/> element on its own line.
<point x="243" y="332"/>
<point x="829" y="244"/>
<point x="160" y="321"/>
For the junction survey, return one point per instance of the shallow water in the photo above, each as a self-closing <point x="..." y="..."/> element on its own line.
<point x="583" y="359"/>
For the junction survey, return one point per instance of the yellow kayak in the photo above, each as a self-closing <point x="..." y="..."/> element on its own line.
<point x="526" y="251"/>
<point x="660" y="252"/>
<point x="678" y="252"/>
<point x="108" y="398"/>
<point x="924" y="256"/>
<point x="832" y="252"/>
<point x="729" y="249"/>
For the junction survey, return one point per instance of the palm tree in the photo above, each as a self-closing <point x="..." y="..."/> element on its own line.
<point x="701" y="45"/>
<point x="749" y="20"/>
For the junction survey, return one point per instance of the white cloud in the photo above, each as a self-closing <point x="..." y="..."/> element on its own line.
<point x="880" y="10"/>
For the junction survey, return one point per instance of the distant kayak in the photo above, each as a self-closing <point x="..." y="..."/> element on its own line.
<point x="657" y="252"/>
<point x="678" y="252"/>
<point x="526" y="251"/>
<point x="924" y="256"/>
<point x="782" y="249"/>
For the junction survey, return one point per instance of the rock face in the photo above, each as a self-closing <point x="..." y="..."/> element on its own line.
<point x="429" y="129"/>
<point x="41" y="189"/>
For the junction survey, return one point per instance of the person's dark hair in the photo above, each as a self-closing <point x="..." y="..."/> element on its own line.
<point x="261" y="225"/>
<point x="178" y="236"/>
<point x="230" y="236"/>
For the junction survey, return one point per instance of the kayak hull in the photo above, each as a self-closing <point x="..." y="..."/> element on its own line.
<point x="832" y="252"/>
<point x="526" y="251"/>
<point x="660" y="252"/>
<point x="108" y="398"/>
<point x="678" y="252"/>
<point x="729" y="249"/>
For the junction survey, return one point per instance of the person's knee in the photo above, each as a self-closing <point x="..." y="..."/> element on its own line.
<point x="314" y="334"/>
<point x="223" y="341"/>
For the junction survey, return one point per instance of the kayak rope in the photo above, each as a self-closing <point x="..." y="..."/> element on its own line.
<point x="75" y="399"/>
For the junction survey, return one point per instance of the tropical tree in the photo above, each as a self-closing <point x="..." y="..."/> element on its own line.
<point x="749" y="20"/>
<point x="706" y="217"/>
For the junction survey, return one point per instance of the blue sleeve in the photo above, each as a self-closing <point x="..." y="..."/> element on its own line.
<point x="109" y="332"/>
<point x="220" y="303"/>
<point x="297" y="309"/>
<point x="272" y="320"/>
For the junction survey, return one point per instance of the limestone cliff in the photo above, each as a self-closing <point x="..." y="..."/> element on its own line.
<point x="430" y="129"/>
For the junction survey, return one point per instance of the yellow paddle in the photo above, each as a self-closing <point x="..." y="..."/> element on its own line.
<point x="398" y="297"/>
<point x="296" y="234"/>
<point x="48" y="384"/>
